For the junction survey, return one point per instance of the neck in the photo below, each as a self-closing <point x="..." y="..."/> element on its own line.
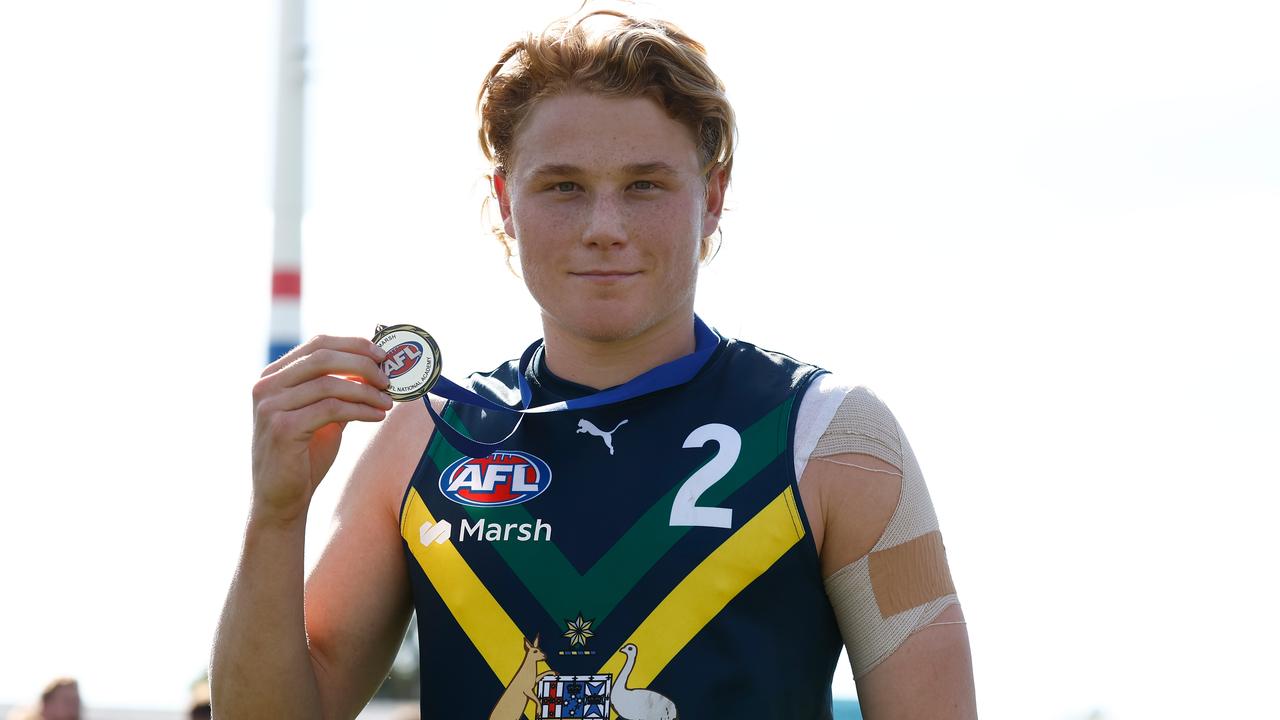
<point x="605" y="363"/>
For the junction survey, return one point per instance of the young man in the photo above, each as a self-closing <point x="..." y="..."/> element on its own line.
<point x="697" y="543"/>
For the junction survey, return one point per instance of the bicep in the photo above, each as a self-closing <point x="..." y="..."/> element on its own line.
<point x="357" y="598"/>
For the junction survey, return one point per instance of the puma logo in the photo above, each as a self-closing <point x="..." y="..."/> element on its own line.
<point x="586" y="426"/>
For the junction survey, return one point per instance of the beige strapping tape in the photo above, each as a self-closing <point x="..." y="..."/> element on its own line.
<point x="911" y="574"/>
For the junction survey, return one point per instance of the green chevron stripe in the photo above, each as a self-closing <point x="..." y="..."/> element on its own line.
<point x="555" y="582"/>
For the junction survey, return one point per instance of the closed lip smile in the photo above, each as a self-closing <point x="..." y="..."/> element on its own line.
<point x="605" y="274"/>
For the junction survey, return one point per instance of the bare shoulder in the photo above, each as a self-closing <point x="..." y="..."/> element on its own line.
<point x="387" y="464"/>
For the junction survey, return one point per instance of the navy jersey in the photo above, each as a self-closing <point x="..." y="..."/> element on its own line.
<point x="646" y="559"/>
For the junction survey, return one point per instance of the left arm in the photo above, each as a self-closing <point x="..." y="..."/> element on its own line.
<point x="885" y="569"/>
<point x="928" y="676"/>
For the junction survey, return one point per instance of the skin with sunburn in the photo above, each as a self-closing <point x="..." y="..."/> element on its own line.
<point x="608" y="205"/>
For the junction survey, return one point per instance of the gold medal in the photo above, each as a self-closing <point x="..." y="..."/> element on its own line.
<point x="412" y="362"/>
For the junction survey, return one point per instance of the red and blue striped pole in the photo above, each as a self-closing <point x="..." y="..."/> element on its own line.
<point x="286" y="277"/>
<point x="286" y="303"/>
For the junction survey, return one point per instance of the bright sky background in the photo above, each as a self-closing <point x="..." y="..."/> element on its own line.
<point x="1044" y="233"/>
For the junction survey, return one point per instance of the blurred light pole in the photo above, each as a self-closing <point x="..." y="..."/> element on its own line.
<point x="286" y="275"/>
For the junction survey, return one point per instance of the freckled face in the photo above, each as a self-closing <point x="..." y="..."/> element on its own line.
<point x="608" y="206"/>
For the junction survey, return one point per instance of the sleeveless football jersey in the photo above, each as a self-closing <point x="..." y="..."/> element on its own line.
<point x="646" y="559"/>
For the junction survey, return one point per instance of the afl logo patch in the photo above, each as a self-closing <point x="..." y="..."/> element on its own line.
<point x="412" y="361"/>
<point x="504" y="478"/>
<point x="402" y="358"/>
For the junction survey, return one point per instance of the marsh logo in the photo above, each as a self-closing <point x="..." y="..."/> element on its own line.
<point x="500" y="479"/>
<point x="402" y="358"/>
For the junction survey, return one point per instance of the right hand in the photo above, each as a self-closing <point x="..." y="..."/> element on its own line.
<point x="301" y="404"/>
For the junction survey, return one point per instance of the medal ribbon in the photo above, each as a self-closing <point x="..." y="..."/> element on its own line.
<point x="676" y="372"/>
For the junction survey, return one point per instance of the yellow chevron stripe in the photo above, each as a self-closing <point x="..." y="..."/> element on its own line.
<point x="704" y="592"/>
<point x="484" y="621"/>
<point x="716" y="581"/>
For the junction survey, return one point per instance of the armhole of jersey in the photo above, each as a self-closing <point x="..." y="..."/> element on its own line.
<point x="422" y="460"/>
<point x="821" y="400"/>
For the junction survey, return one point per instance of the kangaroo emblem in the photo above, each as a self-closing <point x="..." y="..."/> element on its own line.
<point x="523" y="684"/>
<point x="586" y="426"/>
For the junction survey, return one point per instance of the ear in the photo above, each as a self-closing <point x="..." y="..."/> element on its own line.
<point x="504" y="202"/>
<point x="717" y="184"/>
<point x="526" y="643"/>
<point x="536" y="638"/>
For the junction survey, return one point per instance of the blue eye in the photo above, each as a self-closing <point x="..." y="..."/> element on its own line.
<point x="643" y="185"/>
<point x="566" y="186"/>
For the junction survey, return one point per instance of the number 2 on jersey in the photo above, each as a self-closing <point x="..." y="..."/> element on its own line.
<point x="685" y="509"/>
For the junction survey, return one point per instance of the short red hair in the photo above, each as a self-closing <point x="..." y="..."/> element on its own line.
<point x="615" y="54"/>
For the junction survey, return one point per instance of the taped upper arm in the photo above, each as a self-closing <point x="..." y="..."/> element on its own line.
<point x="357" y="598"/>
<point x="882" y="555"/>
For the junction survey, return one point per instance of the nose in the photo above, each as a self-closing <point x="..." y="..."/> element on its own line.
<point x="606" y="226"/>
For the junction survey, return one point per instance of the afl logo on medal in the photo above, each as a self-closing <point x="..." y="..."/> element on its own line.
<point x="412" y="362"/>
<point x="503" y="478"/>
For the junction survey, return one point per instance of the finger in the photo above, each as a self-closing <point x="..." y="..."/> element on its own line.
<point x="301" y="423"/>
<point x="333" y="410"/>
<point x="355" y="345"/>
<point x="320" y="388"/>
<point x="328" y="361"/>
